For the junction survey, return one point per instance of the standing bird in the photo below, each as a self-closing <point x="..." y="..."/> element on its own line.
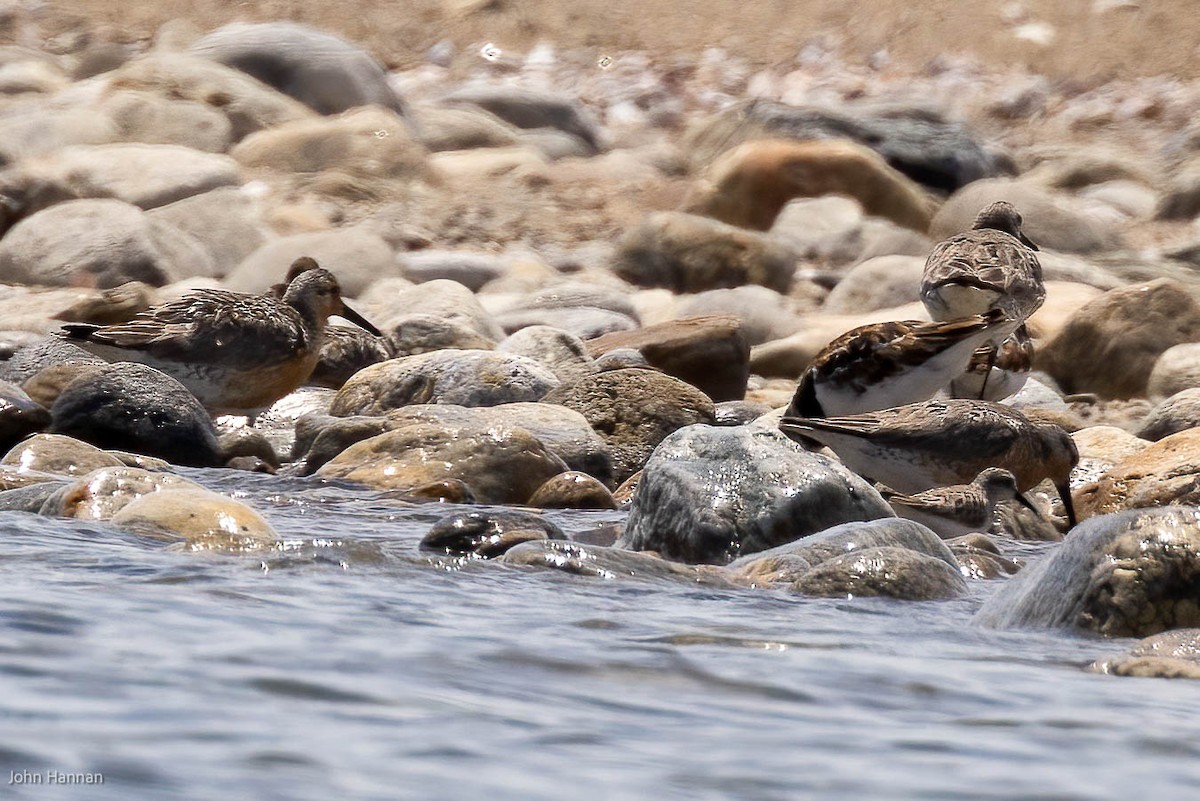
<point x="940" y="443"/>
<point x="236" y="353"/>
<point x="991" y="266"/>
<point x="962" y="508"/>
<point x="882" y="365"/>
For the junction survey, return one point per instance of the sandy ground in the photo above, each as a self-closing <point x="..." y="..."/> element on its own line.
<point x="1087" y="40"/>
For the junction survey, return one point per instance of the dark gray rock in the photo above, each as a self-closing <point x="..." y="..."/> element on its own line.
<point x="526" y="109"/>
<point x="596" y="561"/>
<point x="561" y="351"/>
<point x="711" y="494"/>
<point x="31" y="498"/>
<point x="888" y="572"/>
<point x="29" y="360"/>
<point x="487" y="534"/>
<point x="1128" y="574"/>
<point x="19" y="415"/>
<point x="135" y="408"/>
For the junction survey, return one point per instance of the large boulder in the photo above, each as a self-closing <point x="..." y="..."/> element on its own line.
<point x="1121" y="575"/>
<point x="1111" y="344"/>
<point x="690" y="253"/>
<point x="460" y="377"/>
<point x="321" y="70"/>
<point x="100" y="243"/>
<point x="709" y="353"/>
<point x="712" y="494"/>
<point x="749" y="185"/>
<point x="133" y="407"/>
<point x="634" y="410"/>
<point x="356" y="256"/>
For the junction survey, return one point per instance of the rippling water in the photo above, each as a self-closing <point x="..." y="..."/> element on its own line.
<point x="346" y="669"/>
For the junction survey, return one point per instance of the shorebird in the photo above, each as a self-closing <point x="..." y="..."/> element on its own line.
<point x="882" y="365"/>
<point x="236" y="353"/>
<point x="940" y="443"/>
<point x="991" y="266"/>
<point x="962" y="508"/>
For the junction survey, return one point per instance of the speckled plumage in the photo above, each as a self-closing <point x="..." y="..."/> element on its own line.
<point x="960" y="508"/>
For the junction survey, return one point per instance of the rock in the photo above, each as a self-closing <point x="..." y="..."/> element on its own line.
<point x="749" y="185"/>
<point x="709" y="353"/>
<point x="485" y="164"/>
<point x="1169" y="655"/>
<point x="1166" y="472"/>
<point x="1177" y="413"/>
<point x="321" y="70"/>
<point x="448" y="300"/>
<point x="102" y="493"/>
<point x="461" y="377"/>
<point x="1122" y="575"/>
<point x="500" y="464"/>
<point x="764" y="314"/>
<point x="148" y="118"/>
<point x="356" y="256"/>
<point x="30" y="497"/>
<point x="54" y="453"/>
<point x="573" y="490"/>
<point x="1130" y="199"/>
<point x="611" y="294"/>
<point x="633" y="411"/>
<point x="487" y="534"/>
<point x="225" y="222"/>
<point x="594" y="561"/>
<point x="19" y="416"/>
<point x="1063" y="299"/>
<point x="1109" y="346"/>
<point x="919" y="142"/>
<point x="563" y="353"/>
<point x="246" y="442"/>
<point x="621" y="359"/>
<point x="321" y="437"/>
<point x="143" y="175"/>
<point x="198" y="520"/>
<point x="472" y="270"/>
<point x="372" y="142"/>
<point x="583" y="322"/>
<point x="111" y="306"/>
<point x="740" y="412"/>
<point x="1177" y="369"/>
<point x="1107" y="444"/>
<point x="31" y="359"/>
<point x="881" y="283"/>
<point x="688" y="253"/>
<point x="530" y="110"/>
<point x="134" y="407"/>
<point x="1180" y="199"/>
<point x="100" y="243"/>
<point x="1050" y="220"/>
<point x="711" y="494"/>
<point x="887" y="572"/>
<point x="248" y="104"/>
<point x="29" y="129"/>
<point x="45" y="387"/>
<point x="425" y="333"/>
<point x="463" y="128"/>
<point x="978" y="558"/>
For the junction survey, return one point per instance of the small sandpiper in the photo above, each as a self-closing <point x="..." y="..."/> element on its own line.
<point x="882" y="365"/>
<point x="962" y="508"/>
<point x="991" y="266"/>
<point x="941" y="443"/>
<point x="236" y="353"/>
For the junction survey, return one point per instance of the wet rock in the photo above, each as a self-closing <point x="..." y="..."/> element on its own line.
<point x="446" y="490"/>
<point x="321" y="70"/>
<point x="563" y="353"/>
<point x="20" y="416"/>
<point x="368" y="142"/>
<point x="448" y="300"/>
<point x="133" y="407"/>
<point x="711" y="494"/>
<point x="250" y="105"/>
<point x="919" y="142"/>
<point x="58" y="454"/>
<point x="28" y="498"/>
<point x="595" y="561"/>
<point x="633" y="411"/>
<point x="487" y="534"/>
<point x="460" y="377"/>
<point x="689" y="253"/>
<point x="1169" y="655"/>
<point x="573" y="490"/>
<point x="584" y="322"/>
<point x="45" y="386"/>
<point x="226" y="222"/>
<point x="425" y="333"/>
<point x="101" y="243"/>
<point x="881" y="283"/>
<point x="739" y="412"/>
<point x="530" y="110"/>
<point x="709" y="353"/>
<point x="356" y="256"/>
<point x="12" y="477"/>
<point x="501" y="464"/>
<point x="979" y="558"/>
<point x="749" y="185"/>
<point x="1177" y="369"/>
<point x="1050" y="220"/>
<point x="320" y="437"/>
<point x="102" y="493"/>
<point x="764" y="314"/>
<point x="347" y="349"/>
<point x="1122" y="575"/>
<point x="1166" y="472"/>
<point x="31" y="359"/>
<point x="1177" y="413"/>
<point x="888" y="572"/>
<point x="623" y="494"/>
<point x="197" y="520"/>
<point x="247" y="442"/>
<point x="1110" y="345"/>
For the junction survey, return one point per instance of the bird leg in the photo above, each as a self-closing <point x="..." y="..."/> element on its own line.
<point x="987" y="374"/>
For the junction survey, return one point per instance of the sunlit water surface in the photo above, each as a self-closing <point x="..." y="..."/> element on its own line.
<point x="345" y="668"/>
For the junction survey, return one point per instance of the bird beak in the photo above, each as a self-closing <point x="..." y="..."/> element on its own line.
<point x="362" y="322"/>
<point x="1026" y="241"/>
<point x="1064" y="492"/>
<point x="1028" y="504"/>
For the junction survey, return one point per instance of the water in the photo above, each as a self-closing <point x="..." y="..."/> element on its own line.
<point x="349" y="670"/>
